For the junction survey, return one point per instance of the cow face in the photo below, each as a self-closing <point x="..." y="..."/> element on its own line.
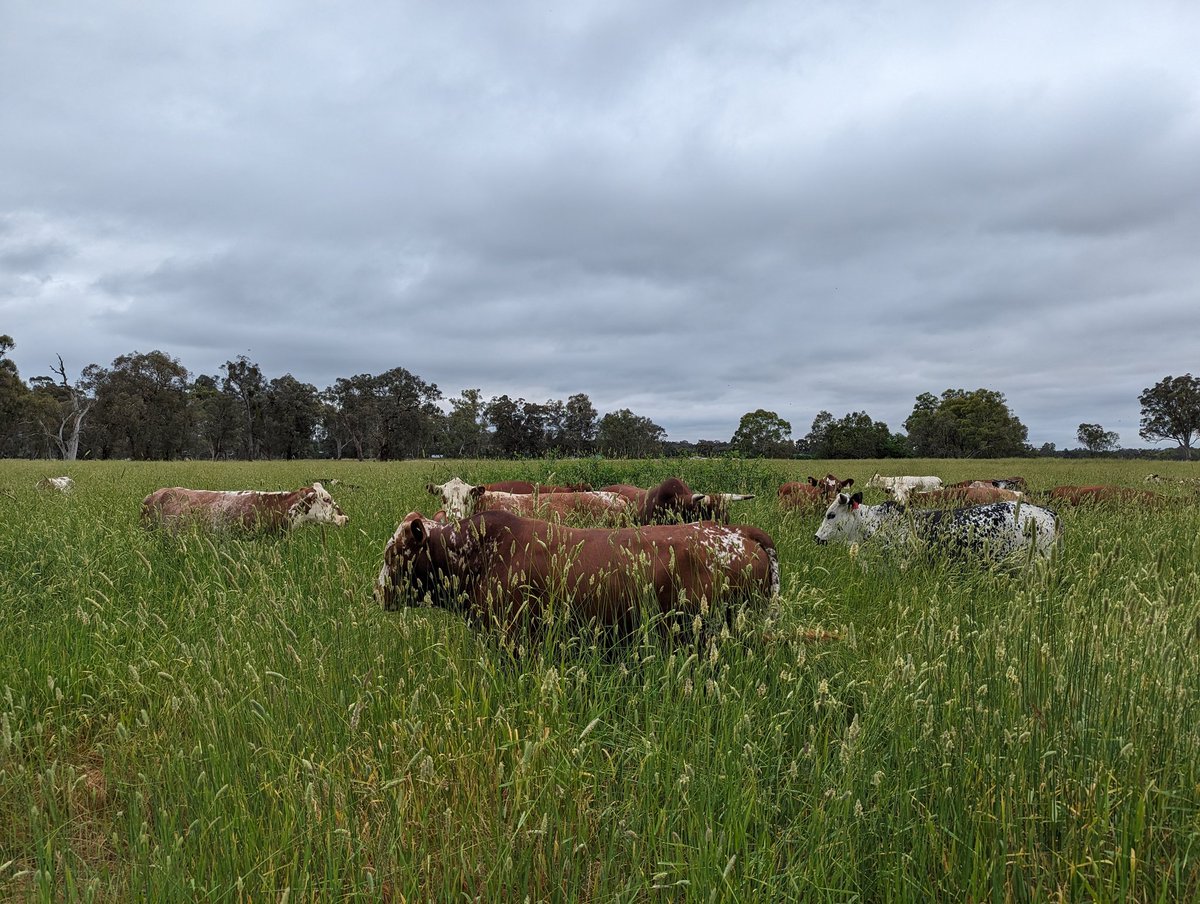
<point x="398" y="556"/>
<point x="414" y="572"/>
<point x="316" y="506"/>
<point x="457" y="496"/>
<point x="842" y="521"/>
<point x="714" y="506"/>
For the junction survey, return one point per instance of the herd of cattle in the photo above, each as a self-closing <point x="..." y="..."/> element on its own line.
<point x="501" y="553"/>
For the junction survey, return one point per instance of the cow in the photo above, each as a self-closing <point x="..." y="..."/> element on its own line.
<point x="1003" y="483"/>
<point x="673" y="501"/>
<point x="505" y="571"/>
<point x="524" y="486"/>
<point x="461" y="500"/>
<point x="249" y="509"/>
<point x="899" y="487"/>
<point x="814" y="494"/>
<point x="997" y="531"/>
<point x="975" y="494"/>
<point x="1084" y="495"/>
<point x="62" y="484"/>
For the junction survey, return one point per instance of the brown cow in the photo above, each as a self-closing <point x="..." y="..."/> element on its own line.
<point x="1071" y="495"/>
<point x="524" y="486"/>
<point x="673" y="501"/>
<point x="975" y="494"/>
<point x="812" y="495"/>
<point x="251" y="509"/>
<point x="505" y="571"/>
<point x="461" y="500"/>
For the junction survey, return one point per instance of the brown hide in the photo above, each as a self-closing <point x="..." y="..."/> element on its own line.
<point x="970" y="495"/>
<point x="555" y="506"/>
<point x="1096" y="494"/>
<point x="811" y="495"/>
<point x="524" y="486"/>
<point x="250" y="509"/>
<point x="672" y="501"/>
<point x="503" y="570"/>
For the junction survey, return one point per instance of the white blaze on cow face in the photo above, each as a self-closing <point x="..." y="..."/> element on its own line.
<point x="458" y="497"/>
<point x="317" y="507"/>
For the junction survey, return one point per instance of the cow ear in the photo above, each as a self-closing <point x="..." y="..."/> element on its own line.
<point x="848" y="482"/>
<point x="478" y="491"/>
<point x="418" y="530"/>
<point x="433" y="488"/>
<point x="699" y="498"/>
<point x="812" y="481"/>
<point x="856" y="499"/>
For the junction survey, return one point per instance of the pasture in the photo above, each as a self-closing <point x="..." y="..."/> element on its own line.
<point x="233" y="718"/>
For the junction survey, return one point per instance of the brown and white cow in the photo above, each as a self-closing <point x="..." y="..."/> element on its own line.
<point x="673" y="501"/>
<point x="503" y="570"/>
<point x="1085" y="495"/>
<point x="525" y="486"/>
<point x="462" y="500"/>
<point x="975" y="494"/>
<point x="1003" y="483"/>
<point x="249" y="509"/>
<point x="812" y="495"/>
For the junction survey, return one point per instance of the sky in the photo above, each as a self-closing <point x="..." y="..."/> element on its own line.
<point x="690" y="209"/>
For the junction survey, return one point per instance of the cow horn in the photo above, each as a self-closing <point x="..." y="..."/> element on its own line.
<point x="735" y="497"/>
<point x="699" y="497"/>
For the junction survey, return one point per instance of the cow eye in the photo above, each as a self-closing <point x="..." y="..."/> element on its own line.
<point x="831" y="515"/>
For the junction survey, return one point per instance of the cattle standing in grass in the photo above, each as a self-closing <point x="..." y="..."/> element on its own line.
<point x="1101" y="494"/>
<point x="975" y="494"/>
<point x="997" y="531"/>
<point x="899" y="487"/>
<point x="673" y="501"/>
<point x="524" y="486"/>
<point x="62" y="484"/>
<point x="462" y="500"/>
<point x="248" y="509"/>
<point x="814" y="494"/>
<point x="504" y="570"/>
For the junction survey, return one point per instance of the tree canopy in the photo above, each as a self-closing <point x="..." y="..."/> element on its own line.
<point x="1171" y="411"/>
<point x="763" y="434"/>
<point x="962" y="424"/>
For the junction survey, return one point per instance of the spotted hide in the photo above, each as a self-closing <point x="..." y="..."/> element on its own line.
<point x="813" y="494"/>
<point x="461" y="500"/>
<point x="502" y="570"/>
<point x="673" y="501"/>
<point x="996" y="531"/>
<point x="175" y="507"/>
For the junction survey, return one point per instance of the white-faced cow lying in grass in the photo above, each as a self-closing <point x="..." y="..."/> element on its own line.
<point x="176" y="507"/>
<point x="462" y="500"/>
<point x="996" y="531"/>
<point x="503" y="570"/>
<point x="899" y="487"/>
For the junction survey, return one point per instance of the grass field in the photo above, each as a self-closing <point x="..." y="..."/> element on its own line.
<point x="232" y="718"/>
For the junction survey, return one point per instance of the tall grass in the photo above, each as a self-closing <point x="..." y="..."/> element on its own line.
<point x="232" y="718"/>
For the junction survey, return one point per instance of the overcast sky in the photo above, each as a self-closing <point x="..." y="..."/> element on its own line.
<point x="689" y="209"/>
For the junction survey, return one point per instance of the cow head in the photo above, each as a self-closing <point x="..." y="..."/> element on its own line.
<point x="457" y="496"/>
<point x="408" y="543"/>
<point x="842" y="521"/>
<point x="715" y="506"/>
<point x="316" y="506"/>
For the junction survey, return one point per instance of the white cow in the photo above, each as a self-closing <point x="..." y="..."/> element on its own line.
<point x="899" y="487"/>
<point x="62" y="484"/>
<point x="997" y="530"/>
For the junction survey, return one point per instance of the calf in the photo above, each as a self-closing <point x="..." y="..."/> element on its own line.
<point x="997" y="531"/>
<point x="899" y="487"/>
<point x="1085" y="495"/>
<point x="249" y="509"/>
<point x="673" y="501"/>
<point x="462" y="500"/>
<point x="816" y="493"/>
<point x="505" y="571"/>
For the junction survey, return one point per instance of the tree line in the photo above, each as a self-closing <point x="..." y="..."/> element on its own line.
<point x="146" y="406"/>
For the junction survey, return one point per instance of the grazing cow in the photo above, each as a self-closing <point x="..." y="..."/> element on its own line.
<point x="1003" y="483"/>
<point x="524" y="486"/>
<point x="998" y="530"/>
<point x="975" y="494"/>
<point x="462" y="500"/>
<point x="1101" y="494"/>
<point x="899" y="487"/>
<point x="62" y="484"/>
<point x="673" y="501"/>
<point x="814" y="494"/>
<point x="504" y="570"/>
<point x="250" y="509"/>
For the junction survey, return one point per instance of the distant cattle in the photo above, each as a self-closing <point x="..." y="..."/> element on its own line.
<point x="524" y="486"/>
<point x="248" y="509"/>
<point x="503" y="570"/>
<point x="1084" y="495"/>
<point x="899" y="487"/>
<point x="813" y="494"/>
<point x="462" y="500"/>
<point x="62" y="484"/>
<point x="975" y="494"/>
<point x="997" y="531"/>
<point x="1003" y="483"/>
<point x="673" y="501"/>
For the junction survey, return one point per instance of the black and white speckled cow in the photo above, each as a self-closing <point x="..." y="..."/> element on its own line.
<point x="997" y="531"/>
